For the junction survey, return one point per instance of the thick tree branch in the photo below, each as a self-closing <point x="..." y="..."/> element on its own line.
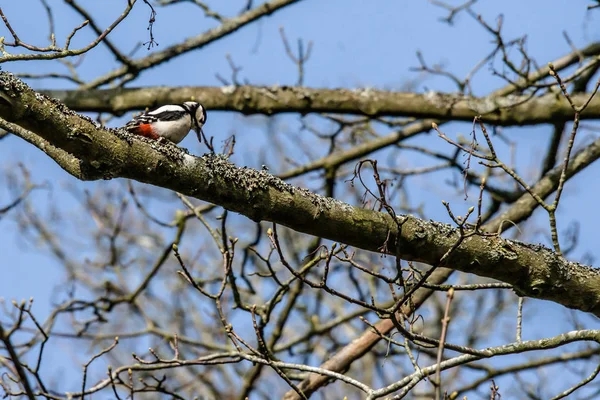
<point x="533" y="270"/>
<point x="498" y="110"/>
<point x="65" y="160"/>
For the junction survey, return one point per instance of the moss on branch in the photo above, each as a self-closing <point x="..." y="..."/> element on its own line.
<point x="534" y="270"/>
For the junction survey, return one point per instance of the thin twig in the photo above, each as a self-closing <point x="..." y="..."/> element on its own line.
<point x="445" y="323"/>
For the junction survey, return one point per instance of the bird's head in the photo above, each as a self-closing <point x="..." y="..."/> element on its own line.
<point x="198" y="113"/>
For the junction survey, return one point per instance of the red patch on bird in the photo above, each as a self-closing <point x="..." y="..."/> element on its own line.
<point x="145" y="130"/>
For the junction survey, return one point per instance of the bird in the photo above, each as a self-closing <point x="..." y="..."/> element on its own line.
<point x="172" y="122"/>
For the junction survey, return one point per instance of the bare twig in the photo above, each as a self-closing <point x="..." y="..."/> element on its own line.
<point x="445" y="322"/>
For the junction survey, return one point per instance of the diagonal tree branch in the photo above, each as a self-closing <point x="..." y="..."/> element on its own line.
<point x="533" y="270"/>
<point x="498" y="110"/>
<point x="14" y="357"/>
<point x="343" y="359"/>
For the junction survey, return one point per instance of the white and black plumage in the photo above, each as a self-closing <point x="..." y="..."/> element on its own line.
<point x="172" y="122"/>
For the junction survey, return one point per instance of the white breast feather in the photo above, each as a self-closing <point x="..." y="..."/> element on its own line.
<point x="175" y="131"/>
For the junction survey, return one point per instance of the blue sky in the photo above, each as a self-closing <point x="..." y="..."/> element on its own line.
<point x="357" y="44"/>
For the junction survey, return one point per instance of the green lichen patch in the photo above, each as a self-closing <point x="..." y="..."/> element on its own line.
<point x="252" y="180"/>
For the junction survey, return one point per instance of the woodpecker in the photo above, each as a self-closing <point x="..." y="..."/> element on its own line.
<point x="172" y="122"/>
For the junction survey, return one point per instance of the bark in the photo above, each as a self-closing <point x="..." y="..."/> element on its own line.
<point x="534" y="270"/>
<point x="503" y="110"/>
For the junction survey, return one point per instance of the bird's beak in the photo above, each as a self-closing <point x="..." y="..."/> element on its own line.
<point x="199" y="133"/>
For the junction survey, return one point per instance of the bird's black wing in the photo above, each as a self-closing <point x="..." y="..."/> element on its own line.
<point x="164" y="113"/>
<point x="169" y="115"/>
<point x="139" y="120"/>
